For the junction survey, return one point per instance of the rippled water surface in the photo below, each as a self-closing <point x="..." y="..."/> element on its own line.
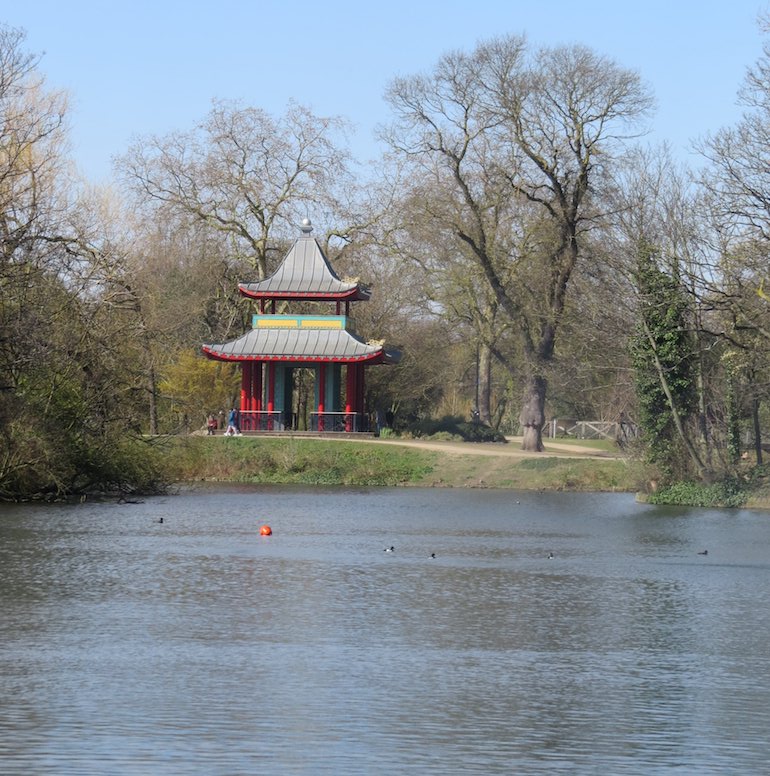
<point x="197" y="646"/>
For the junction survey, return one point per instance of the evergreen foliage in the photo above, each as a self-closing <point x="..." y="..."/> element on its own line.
<point x="662" y="355"/>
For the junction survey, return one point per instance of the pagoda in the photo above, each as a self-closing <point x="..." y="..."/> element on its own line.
<point x="279" y="344"/>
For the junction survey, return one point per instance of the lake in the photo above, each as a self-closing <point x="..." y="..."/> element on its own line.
<point x="197" y="646"/>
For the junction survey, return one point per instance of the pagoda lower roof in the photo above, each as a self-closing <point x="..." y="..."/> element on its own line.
<point x="301" y="346"/>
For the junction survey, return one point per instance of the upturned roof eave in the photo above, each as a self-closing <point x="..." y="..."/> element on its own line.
<point x="298" y="346"/>
<point x="380" y="357"/>
<point x="357" y="293"/>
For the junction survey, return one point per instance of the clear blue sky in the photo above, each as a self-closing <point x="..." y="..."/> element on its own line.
<point x="136" y="67"/>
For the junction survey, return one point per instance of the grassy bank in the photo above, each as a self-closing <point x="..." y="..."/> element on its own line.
<point x="535" y="473"/>
<point x="292" y="461"/>
<point x="325" y="462"/>
<point x="579" y="466"/>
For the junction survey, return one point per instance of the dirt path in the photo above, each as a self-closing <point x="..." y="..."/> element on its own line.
<point x="512" y="449"/>
<point x="482" y="465"/>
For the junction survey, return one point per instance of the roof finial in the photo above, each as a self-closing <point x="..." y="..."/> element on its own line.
<point x="306" y="227"/>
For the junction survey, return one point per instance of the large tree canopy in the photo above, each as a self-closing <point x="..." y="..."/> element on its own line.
<point x="245" y="173"/>
<point x="512" y="147"/>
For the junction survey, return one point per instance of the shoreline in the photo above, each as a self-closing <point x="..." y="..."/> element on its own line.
<point x="404" y="462"/>
<point x="569" y="466"/>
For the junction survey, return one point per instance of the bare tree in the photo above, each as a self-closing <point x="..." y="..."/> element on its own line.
<point x="519" y="145"/>
<point x="245" y="173"/>
<point x="736" y="183"/>
<point x="32" y="139"/>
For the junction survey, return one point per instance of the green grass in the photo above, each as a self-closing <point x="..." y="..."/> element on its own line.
<point x="355" y="463"/>
<point x="580" y="475"/>
<point x="541" y="464"/>
<point x="600" y="445"/>
<point x="325" y="462"/>
<point x="294" y="461"/>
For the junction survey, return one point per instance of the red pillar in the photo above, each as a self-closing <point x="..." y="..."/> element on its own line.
<point x="270" y="393"/>
<point x="256" y="385"/>
<point x="245" y="385"/>
<point x="360" y="395"/>
<point x="321" y="395"/>
<point x="350" y="392"/>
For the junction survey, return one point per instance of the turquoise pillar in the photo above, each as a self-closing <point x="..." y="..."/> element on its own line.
<point x="333" y="382"/>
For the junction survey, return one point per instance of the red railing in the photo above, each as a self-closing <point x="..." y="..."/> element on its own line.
<point x="349" y="422"/>
<point x="254" y="420"/>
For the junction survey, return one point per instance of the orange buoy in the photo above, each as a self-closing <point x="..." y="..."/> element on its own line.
<point x="266" y="530"/>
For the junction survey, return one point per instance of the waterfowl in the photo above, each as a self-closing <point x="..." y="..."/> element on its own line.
<point x="703" y="552"/>
<point x="550" y="556"/>
<point x="159" y="520"/>
<point x="432" y="555"/>
<point x="389" y="549"/>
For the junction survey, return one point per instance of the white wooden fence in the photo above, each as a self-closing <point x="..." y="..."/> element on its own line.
<point x="591" y="429"/>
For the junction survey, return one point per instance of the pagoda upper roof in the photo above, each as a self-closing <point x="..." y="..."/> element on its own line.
<point x="301" y="345"/>
<point x="305" y="274"/>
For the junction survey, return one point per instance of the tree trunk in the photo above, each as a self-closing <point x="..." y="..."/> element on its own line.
<point x="703" y="429"/>
<point x="152" y="390"/>
<point x="484" y="390"/>
<point x="757" y="431"/>
<point x="532" y="416"/>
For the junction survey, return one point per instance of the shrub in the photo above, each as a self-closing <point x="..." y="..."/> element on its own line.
<point x="727" y="493"/>
<point x="455" y="428"/>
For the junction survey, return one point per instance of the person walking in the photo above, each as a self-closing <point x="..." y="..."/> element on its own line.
<point x="232" y="423"/>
